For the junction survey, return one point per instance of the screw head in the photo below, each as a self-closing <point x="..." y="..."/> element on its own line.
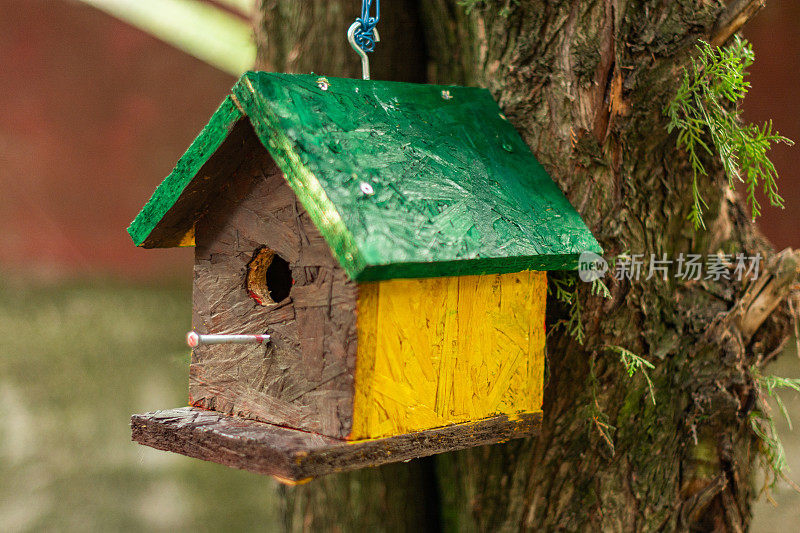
<point x="323" y="84"/>
<point x="366" y="188"/>
<point x="446" y="95"/>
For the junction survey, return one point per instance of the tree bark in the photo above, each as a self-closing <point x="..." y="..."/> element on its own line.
<point x="585" y="83"/>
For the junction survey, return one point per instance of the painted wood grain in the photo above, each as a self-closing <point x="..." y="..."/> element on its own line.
<point x="447" y="350"/>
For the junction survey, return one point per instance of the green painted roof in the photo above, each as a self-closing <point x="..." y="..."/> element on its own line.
<point x="402" y="180"/>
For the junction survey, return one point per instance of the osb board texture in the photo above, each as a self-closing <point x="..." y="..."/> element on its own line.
<point x="457" y="191"/>
<point x="303" y="378"/>
<point x="297" y="456"/>
<point x="448" y="350"/>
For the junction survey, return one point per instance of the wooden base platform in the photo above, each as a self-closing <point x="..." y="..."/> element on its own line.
<point x="294" y="456"/>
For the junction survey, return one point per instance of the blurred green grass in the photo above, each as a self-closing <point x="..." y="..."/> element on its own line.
<point x="76" y="360"/>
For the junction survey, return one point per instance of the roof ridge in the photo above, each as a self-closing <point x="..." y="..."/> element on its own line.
<point x="402" y="180"/>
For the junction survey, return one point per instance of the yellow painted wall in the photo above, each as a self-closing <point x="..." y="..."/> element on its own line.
<point x="439" y="351"/>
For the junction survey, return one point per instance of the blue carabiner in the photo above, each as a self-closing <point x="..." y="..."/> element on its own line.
<point x="365" y="35"/>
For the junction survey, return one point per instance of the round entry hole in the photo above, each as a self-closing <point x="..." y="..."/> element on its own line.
<point x="269" y="278"/>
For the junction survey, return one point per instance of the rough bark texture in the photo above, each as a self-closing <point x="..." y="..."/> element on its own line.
<point x="303" y="378"/>
<point x="585" y="82"/>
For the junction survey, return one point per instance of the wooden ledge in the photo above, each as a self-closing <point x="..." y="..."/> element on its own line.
<point x="294" y="456"/>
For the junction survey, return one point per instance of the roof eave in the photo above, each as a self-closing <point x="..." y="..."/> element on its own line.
<point x="475" y="267"/>
<point x="167" y="193"/>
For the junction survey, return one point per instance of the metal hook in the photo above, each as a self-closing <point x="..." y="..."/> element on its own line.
<point x="351" y="38"/>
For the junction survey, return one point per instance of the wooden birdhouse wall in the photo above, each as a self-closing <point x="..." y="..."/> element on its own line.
<point x="303" y="378"/>
<point x="439" y="351"/>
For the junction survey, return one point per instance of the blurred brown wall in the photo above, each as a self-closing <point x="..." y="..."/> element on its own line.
<point x="95" y="113"/>
<point x="775" y="77"/>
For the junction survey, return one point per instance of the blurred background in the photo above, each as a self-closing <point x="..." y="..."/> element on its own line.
<point x="100" y="99"/>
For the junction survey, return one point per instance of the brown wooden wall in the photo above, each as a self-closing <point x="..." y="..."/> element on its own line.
<point x="304" y="377"/>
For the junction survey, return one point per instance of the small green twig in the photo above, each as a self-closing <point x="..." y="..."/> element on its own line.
<point x="565" y="290"/>
<point x="597" y="417"/>
<point x="763" y="425"/>
<point x="600" y="288"/>
<point x="705" y="109"/>
<point x="634" y="363"/>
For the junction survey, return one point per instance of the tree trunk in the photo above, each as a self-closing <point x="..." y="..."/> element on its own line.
<point x="585" y="83"/>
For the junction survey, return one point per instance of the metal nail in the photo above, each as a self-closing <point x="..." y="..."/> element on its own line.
<point x="194" y="339"/>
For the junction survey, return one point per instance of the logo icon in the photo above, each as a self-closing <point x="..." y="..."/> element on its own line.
<point x="591" y="267"/>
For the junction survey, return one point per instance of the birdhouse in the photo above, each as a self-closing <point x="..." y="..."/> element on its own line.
<point x="369" y="275"/>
